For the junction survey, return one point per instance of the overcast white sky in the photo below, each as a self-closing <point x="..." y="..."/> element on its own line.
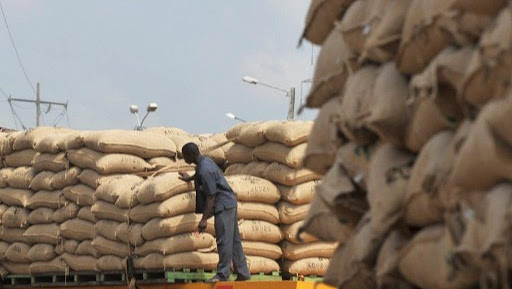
<point x="188" y="56"/>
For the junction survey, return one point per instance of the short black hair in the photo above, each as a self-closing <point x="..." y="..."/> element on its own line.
<point x="190" y="149"/>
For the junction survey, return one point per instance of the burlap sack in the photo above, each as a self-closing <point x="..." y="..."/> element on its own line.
<point x="44" y="233"/>
<point x="142" y="144"/>
<point x="234" y="169"/>
<point x="253" y="189"/>
<point x="386" y="270"/>
<point x="255" y="168"/>
<point x="289" y="133"/>
<point x="107" y="163"/>
<point x="176" y="205"/>
<point x="80" y="263"/>
<point x="17" y="253"/>
<point x="17" y="268"/>
<point x="15" y="197"/>
<point x="358" y="98"/>
<point x="86" y="248"/>
<point x="119" y="190"/>
<point x="3" y="248"/>
<point x="300" y="194"/>
<point x="161" y="162"/>
<point x="177" y="244"/>
<point x="3" y="208"/>
<point x="284" y="175"/>
<point x="308" y="266"/>
<point x="254" y="135"/>
<point x="275" y="152"/>
<point x="71" y="140"/>
<point x="57" y="265"/>
<point x="325" y="137"/>
<point x="258" y="211"/>
<point x="131" y="233"/>
<point x="294" y="252"/>
<point x="41" y="253"/>
<point x="66" y="178"/>
<point x="20" y="158"/>
<point x="48" y="199"/>
<point x="355" y="22"/>
<point x="290" y="213"/>
<point x="42" y="181"/>
<point x="30" y="138"/>
<point x="150" y="262"/>
<point x="15" y="217"/>
<point x="168" y="227"/>
<point x="85" y="214"/>
<point x="169" y="131"/>
<point x="108" y="247"/>
<point x="290" y="233"/>
<point x="253" y="230"/>
<point x="257" y="264"/>
<point x="77" y="229"/>
<point x="433" y="246"/>
<point x="111" y="263"/>
<point x="335" y="62"/>
<point x="21" y="177"/>
<point x="107" y="211"/>
<point x="66" y="246"/>
<point x="6" y="142"/>
<point x="41" y="216"/>
<point x="389" y="174"/>
<point x="12" y="235"/>
<point x="50" y="162"/>
<point x="4" y="176"/>
<point x="107" y="229"/>
<point x="80" y="194"/>
<point x="49" y="144"/>
<point x="69" y="211"/>
<point x="239" y="153"/>
<point x="192" y="260"/>
<point x="234" y="132"/>
<point x="162" y="187"/>
<point x="262" y="249"/>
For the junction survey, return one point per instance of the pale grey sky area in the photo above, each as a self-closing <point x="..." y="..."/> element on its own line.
<point x="188" y="56"/>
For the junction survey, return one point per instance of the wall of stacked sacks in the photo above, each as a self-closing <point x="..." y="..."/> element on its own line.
<point x="413" y="140"/>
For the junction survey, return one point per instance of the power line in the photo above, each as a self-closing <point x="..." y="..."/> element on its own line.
<point x="16" y="50"/>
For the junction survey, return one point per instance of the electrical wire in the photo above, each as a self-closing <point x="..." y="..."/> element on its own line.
<point x="15" y="115"/>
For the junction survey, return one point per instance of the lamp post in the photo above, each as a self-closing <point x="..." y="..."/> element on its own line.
<point x="290" y="94"/>
<point x="152" y="106"/>
<point x="232" y="116"/>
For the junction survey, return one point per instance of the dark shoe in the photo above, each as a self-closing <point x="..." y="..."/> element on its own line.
<point x="242" y="278"/>
<point x="215" y="280"/>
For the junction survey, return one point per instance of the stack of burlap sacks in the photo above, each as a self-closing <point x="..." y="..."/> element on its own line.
<point x="413" y="138"/>
<point x="274" y="151"/>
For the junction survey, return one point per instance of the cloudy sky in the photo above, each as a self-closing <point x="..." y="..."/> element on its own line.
<point x="188" y="56"/>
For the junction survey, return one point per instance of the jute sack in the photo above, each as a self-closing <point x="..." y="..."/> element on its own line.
<point x="119" y="190"/>
<point x="66" y="246"/>
<point x="49" y="144"/>
<point x="384" y="31"/>
<point x="258" y="211"/>
<point x="162" y="187"/>
<point x="289" y="133"/>
<point x="290" y="213"/>
<point x="300" y="194"/>
<point x="80" y="194"/>
<point x="192" y="260"/>
<point x="93" y="179"/>
<point x="354" y="23"/>
<point x="21" y="177"/>
<point x="57" y="265"/>
<point x="168" y="227"/>
<point x="69" y="211"/>
<point x="15" y="197"/>
<point x="284" y="175"/>
<point x="4" y="176"/>
<point x="389" y="174"/>
<point x="17" y="268"/>
<point x="42" y="181"/>
<point x="239" y="153"/>
<point x="335" y="62"/>
<point x="3" y="208"/>
<point x="358" y="98"/>
<point x="86" y="248"/>
<point x="168" y="130"/>
<point x="258" y="264"/>
<point x="85" y="214"/>
<point x="139" y="143"/>
<point x="15" y="217"/>
<point x="12" y="235"/>
<point x="30" y="138"/>
<point x="177" y="244"/>
<point x="66" y="178"/>
<point x="47" y="199"/>
<point x="254" y="135"/>
<point x="110" y="263"/>
<point x="325" y="137"/>
<point x="71" y="140"/>
<point x="104" y="210"/>
<point x="151" y="261"/>
<point x="262" y="249"/>
<point x="21" y="158"/>
<point x="301" y="251"/>
<point x="422" y="204"/>
<point x="308" y="266"/>
<point x="161" y="162"/>
<point x="254" y="230"/>
<point x="107" y="229"/>
<point x="41" y="252"/>
<point x="275" y="152"/>
<point x="43" y="233"/>
<point x="3" y="248"/>
<point x="321" y="17"/>
<point x="108" y="247"/>
<point x="386" y="270"/>
<point x="234" y="132"/>
<point x="433" y="246"/>
<point x="107" y="163"/>
<point x="17" y="253"/>
<point x="50" y="162"/>
<point x="255" y="168"/>
<point x="234" y="169"/>
<point x="80" y="263"/>
<point x="176" y="205"/>
<point x="253" y="189"/>
<point x="6" y="142"/>
<point x="131" y="234"/>
<point x="41" y="216"/>
<point x="205" y="143"/>
<point x="291" y="232"/>
<point x="77" y="229"/>
<point x="388" y="115"/>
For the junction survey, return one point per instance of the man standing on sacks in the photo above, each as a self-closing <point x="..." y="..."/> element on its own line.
<point x="214" y="197"/>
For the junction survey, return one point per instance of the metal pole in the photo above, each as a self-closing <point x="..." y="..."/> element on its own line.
<point x="291" y="108"/>
<point x="38" y="106"/>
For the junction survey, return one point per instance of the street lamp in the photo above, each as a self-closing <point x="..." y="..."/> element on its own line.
<point x="232" y="116"/>
<point x="290" y="93"/>
<point x="152" y="106"/>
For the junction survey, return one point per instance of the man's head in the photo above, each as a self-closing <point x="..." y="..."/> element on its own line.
<point x="191" y="153"/>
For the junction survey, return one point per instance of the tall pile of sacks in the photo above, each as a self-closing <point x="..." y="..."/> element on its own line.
<point x="413" y="141"/>
<point x="273" y="151"/>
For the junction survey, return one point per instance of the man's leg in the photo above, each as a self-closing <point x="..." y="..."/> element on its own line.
<point x="239" y="261"/>
<point x="224" y="232"/>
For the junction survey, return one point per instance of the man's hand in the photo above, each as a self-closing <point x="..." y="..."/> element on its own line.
<point x="202" y="226"/>
<point x="185" y="176"/>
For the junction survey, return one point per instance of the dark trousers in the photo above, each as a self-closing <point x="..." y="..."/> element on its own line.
<point x="229" y="245"/>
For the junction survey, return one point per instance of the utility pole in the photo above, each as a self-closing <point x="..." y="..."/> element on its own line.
<point x="38" y="103"/>
<point x="291" y="108"/>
